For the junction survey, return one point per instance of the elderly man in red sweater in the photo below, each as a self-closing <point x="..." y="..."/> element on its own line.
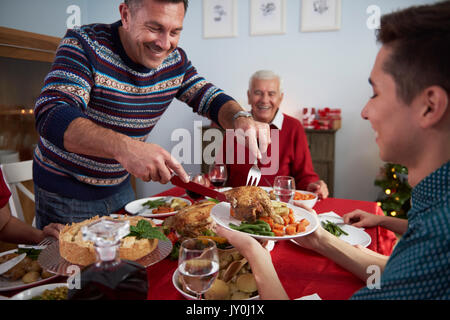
<point x="290" y="156"/>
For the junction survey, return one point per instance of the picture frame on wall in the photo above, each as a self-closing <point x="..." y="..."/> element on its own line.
<point x="320" y="15"/>
<point x="267" y="17"/>
<point x="220" y="18"/>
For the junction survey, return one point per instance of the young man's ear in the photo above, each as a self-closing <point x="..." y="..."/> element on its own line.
<point x="435" y="104"/>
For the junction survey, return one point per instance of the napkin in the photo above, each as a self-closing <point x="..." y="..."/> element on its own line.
<point x="314" y="296"/>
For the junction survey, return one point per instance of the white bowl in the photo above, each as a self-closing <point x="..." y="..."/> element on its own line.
<point x="187" y="295"/>
<point x="309" y="203"/>
<point x="36" y="291"/>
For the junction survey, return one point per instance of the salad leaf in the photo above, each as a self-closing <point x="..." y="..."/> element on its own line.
<point x="144" y="230"/>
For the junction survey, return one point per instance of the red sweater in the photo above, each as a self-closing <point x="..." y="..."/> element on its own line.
<point x="294" y="159"/>
<point x="4" y="191"/>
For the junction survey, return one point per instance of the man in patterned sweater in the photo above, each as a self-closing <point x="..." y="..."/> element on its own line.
<point x="108" y="87"/>
<point x="410" y="113"/>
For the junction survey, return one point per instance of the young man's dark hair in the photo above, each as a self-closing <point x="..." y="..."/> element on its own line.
<point x="424" y="31"/>
<point x="135" y="3"/>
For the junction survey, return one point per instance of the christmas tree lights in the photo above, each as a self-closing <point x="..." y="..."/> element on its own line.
<point x="396" y="191"/>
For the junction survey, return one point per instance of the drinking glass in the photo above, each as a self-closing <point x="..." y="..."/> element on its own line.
<point x="200" y="179"/>
<point x="198" y="264"/>
<point x="218" y="175"/>
<point x="284" y="188"/>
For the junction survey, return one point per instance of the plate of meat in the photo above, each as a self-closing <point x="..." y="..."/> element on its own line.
<point x="251" y="210"/>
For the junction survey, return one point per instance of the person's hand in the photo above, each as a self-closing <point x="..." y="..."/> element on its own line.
<point x="150" y="162"/>
<point x="320" y="188"/>
<point x="361" y="219"/>
<point x="53" y="230"/>
<point x="254" y="133"/>
<point x="244" y="243"/>
<point x="313" y="240"/>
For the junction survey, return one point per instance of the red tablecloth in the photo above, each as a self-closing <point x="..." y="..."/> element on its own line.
<point x="301" y="271"/>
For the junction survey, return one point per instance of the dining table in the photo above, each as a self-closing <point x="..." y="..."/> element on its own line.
<point x="302" y="272"/>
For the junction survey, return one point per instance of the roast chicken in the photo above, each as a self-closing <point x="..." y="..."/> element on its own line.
<point x="249" y="203"/>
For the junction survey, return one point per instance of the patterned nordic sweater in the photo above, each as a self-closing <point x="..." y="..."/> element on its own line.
<point x="92" y="77"/>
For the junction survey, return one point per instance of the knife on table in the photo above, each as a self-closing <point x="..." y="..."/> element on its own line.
<point x="199" y="188"/>
<point x="6" y="266"/>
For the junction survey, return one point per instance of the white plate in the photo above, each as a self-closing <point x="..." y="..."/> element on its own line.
<point x="355" y="235"/>
<point x="7" y="284"/>
<point x="36" y="291"/>
<point x="134" y="207"/>
<point x="221" y="215"/>
<point x="187" y="295"/>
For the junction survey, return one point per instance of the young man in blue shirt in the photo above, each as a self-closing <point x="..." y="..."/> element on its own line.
<point x="410" y="114"/>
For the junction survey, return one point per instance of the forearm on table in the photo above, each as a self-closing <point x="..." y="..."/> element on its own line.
<point x="85" y="137"/>
<point x="396" y="225"/>
<point x="14" y="230"/>
<point x="349" y="257"/>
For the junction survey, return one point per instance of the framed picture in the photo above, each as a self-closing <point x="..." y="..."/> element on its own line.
<point x="320" y="15"/>
<point x="219" y="18"/>
<point x="267" y="17"/>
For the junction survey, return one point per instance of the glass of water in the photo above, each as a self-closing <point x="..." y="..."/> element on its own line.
<point x="198" y="264"/>
<point x="284" y="188"/>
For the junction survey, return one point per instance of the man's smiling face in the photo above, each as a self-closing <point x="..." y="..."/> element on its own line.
<point x="152" y="30"/>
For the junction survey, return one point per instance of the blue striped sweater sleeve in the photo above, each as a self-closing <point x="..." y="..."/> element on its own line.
<point x="66" y="90"/>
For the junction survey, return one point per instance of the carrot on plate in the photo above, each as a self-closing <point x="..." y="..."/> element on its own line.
<point x="301" y="227"/>
<point x="269" y="220"/>
<point x="291" y="229"/>
<point x="291" y="218"/>
<point x="277" y="226"/>
<point x="278" y="233"/>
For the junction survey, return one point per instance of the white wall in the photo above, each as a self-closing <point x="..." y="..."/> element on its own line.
<point x="319" y="69"/>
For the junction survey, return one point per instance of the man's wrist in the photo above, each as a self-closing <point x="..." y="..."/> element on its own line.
<point x="240" y="114"/>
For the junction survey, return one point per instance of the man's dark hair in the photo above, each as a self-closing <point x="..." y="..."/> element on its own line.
<point x="136" y="3"/>
<point x="420" y="41"/>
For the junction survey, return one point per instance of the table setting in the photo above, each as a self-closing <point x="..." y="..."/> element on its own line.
<point x="303" y="273"/>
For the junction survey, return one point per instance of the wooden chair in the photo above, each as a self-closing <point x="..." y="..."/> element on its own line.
<point x="15" y="174"/>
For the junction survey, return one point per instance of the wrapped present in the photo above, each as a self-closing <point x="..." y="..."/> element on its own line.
<point x="324" y="119"/>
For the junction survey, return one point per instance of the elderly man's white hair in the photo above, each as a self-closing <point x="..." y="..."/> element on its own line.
<point x="265" y="75"/>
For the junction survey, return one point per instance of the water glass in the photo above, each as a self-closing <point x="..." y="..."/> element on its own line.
<point x="284" y="188"/>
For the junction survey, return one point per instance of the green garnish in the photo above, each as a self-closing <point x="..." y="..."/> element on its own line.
<point x="154" y="203"/>
<point x="33" y="254"/>
<point x="333" y="228"/>
<point x="144" y="230"/>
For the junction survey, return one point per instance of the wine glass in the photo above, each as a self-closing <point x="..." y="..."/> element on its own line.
<point x="198" y="264"/>
<point x="284" y="188"/>
<point x="200" y="179"/>
<point x="218" y="174"/>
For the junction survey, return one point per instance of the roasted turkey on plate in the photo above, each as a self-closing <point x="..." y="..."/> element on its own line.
<point x="249" y="203"/>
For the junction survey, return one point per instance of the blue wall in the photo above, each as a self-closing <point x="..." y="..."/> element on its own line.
<point x="319" y="69"/>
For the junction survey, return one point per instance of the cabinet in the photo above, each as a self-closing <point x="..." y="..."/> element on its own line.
<point x="25" y="60"/>
<point x="322" y="147"/>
